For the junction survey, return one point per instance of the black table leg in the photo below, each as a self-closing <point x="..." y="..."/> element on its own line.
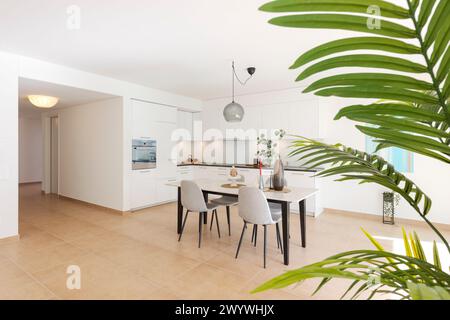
<point x="180" y="212"/>
<point x="285" y="221"/>
<point x="302" y="211"/>
<point x="205" y="215"/>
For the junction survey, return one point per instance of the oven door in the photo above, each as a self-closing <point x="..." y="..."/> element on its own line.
<point x="144" y="155"/>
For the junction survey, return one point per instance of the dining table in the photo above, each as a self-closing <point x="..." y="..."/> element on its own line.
<point x="286" y="197"/>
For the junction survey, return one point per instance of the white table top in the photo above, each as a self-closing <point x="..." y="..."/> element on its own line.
<point x="296" y="194"/>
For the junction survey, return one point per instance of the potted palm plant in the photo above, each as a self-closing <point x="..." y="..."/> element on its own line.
<point x="414" y="115"/>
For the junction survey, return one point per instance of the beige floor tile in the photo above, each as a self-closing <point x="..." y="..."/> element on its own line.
<point x="138" y="256"/>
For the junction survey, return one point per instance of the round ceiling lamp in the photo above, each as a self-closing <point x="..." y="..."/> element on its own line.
<point x="233" y="111"/>
<point x="41" y="101"/>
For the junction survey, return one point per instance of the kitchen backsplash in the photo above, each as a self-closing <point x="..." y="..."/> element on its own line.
<point x="230" y="151"/>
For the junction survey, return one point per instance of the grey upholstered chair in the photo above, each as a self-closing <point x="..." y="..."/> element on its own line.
<point x="254" y="209"/>
<point x="192" y="199"/>
<point x="225" y="201"/>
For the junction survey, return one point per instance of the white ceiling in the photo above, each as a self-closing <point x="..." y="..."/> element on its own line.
<point x="68" y="96"/>
<point x="182" y="46"/>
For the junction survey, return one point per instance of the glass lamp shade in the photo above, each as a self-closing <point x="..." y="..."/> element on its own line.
<point x="233" y="112"/>
<point x="43" y="101"/>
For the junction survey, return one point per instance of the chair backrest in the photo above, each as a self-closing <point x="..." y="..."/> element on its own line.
<point x="253" y="206"/>
<point x="192" y="197"/>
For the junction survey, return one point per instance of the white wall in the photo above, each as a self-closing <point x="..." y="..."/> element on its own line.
<point x="9" y="130"/>
<point x="30" y="149"/>
<point x="91" y="153"/>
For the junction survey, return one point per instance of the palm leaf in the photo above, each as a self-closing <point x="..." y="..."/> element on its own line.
<point x="419" y="291"/>
<point x="343" y="22"/>
<point x="371" y="79"/>
<point x="406" y="244"/>
<point x="437" y="21"/>
<point x="441" y="43"/>
<point x="436" y="258"/>
<point x="425" y="10"/>
<point x="351" y="164"/>
<point x="377" y="92"/>
<point x="431" y="17"/>
<point x="357" y="43"/>
<point x="363" y="60"/>
<point x="363" y="265"/>
<point x="387" y="9"/>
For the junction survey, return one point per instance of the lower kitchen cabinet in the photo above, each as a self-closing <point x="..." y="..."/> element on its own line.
<point x="164" y="192"/>
<point x="149" y="188"/>
<point x="143" y="189"/>
<point x="305" y="180"/>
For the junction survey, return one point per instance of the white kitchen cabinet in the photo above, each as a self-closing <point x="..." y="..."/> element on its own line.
<point x="184" y="121"/>
<point x="305" y="180"/>
<point x="166" y="151"/>
<point x="143" y="190"/>
<point x="211" y="116"/>
<point x="303" y="119"/>
<point x="164" y="192"/>
<point x="185" y="173"/>
<point x="145" y="114"/>
<point x="200" y="172"/>
<point x="157" y="122"/>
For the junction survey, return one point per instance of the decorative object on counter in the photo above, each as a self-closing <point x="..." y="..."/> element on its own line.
<point x="390" y="201"/>
<point x="261" y="178"/>
<point x="233" y="186"/>
<point x="234" y="112"/>
<point x="278" y="181"/>
<point x="234" y="177"/>
<point x="284" y="190"/>
<point x="267" y="147"/>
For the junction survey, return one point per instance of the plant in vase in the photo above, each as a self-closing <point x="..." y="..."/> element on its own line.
<point x="414" y="116"/>
<point x="267" y="148"/>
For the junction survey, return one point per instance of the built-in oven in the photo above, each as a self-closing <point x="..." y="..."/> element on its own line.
<point x="144" y="154"/>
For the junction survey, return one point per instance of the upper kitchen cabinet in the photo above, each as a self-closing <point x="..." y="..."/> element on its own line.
<point x="145" y="114"/>
<point x="185" y="120"/>
<point x="297" y="118"/>
<point x="303" y="118"/>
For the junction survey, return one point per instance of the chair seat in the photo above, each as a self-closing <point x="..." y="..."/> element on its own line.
<point x="275" y="210"/>
<point x="225" y="201"/>
<point x="211" y="206"/>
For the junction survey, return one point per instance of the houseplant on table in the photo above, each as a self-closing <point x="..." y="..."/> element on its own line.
<point x="416" y="118"/>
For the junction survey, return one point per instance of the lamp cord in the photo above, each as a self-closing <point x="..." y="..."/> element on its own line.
<point x="243" y="83"/>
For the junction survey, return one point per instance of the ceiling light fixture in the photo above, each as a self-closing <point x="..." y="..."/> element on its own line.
<point x="43" y="101"/>
<point x="233" y="111"/>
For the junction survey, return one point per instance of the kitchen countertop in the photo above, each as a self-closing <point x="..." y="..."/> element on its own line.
<point x="246" y="166"/>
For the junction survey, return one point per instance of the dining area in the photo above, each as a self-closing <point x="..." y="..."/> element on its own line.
<point x="258" y="208"/>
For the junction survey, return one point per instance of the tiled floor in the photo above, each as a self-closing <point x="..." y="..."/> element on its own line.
<point x="139" y="257"/>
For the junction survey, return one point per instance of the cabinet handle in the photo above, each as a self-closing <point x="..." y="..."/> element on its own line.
<point x="145" y="171"/>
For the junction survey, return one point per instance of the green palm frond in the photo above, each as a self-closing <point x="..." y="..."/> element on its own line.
<point x="408" y="277"/>
<point x="373" y="270"/>
<point x="426" y="82"/>
<point x="351" y="164"/>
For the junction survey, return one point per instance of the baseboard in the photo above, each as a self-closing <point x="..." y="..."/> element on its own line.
<point x="95" y="206"/>
<point x="28" y="183"/>
<point x="10" y="239"/>
<point x="374" y="217"/>
<point x="151" y="206"/>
